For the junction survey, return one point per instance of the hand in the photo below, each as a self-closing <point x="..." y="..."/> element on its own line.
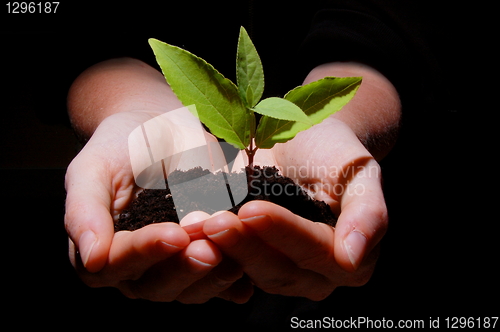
<point x="159" y="262"/>
<point x="100" y="183"/>
<point x="292" y="256"/>
<point x="286" y="254"/>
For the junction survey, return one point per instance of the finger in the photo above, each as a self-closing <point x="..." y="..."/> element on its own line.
<point x="221" y="278"/>
<point x="363" y="219"/>
<point x="168" y="279"/>
<point x="193" y="222"/>
<point x="88" y="219"/>
<point x="240" y="291"/>
<point x="268" y="268"/>
<point x="308" y="244"/>
<point x="133" y="253"/>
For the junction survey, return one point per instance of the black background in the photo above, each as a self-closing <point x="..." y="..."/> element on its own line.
<point x="438" y="259"/>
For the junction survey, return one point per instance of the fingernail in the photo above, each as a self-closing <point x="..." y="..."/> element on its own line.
<point x="354" y="245"/>
<point x="198" y="266"/>
<point x="87" y="241"/>
<point x="228" y="237"/>
<point x="259" y="223"/>
<point x="169" y="246"/>
<point x="195" y="231"/>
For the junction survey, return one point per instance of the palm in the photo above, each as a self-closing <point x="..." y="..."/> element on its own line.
<point x="100" y="182"/>
<point x="321" y="159"/>
<point x="286" y="254"/>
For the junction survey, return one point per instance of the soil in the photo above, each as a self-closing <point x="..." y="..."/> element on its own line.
<point x="157" y="205"/>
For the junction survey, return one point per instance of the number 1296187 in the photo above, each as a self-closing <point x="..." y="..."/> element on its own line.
<point x="32" y="7"/>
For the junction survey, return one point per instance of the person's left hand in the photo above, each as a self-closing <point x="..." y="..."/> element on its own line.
<point x="285" y="254"/>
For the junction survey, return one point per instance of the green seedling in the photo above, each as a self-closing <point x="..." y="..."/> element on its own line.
<point x="228" y="110"/>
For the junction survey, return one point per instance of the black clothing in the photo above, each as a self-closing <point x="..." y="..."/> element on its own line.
<point x="402" y="39"/>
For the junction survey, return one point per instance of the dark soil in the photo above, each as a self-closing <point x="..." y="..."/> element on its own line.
<point x="157" y="205"/>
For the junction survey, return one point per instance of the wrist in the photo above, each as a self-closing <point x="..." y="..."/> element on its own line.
<point x="374" y="113"/>
<point x="115" y="86"/>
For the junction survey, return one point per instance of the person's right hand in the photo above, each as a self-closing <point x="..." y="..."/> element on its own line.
<point x="159" y="262"/>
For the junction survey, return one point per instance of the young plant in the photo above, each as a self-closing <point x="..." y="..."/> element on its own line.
<point x="228" y="110"/>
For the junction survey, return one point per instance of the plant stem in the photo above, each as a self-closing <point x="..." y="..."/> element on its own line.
<point x="251" y="150"/>
<point x="250" y="154"/>
<point x="250" y="158"/>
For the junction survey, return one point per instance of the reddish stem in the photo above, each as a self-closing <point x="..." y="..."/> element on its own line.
<point x="250" y="154"/>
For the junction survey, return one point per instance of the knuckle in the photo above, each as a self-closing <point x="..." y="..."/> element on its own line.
<point x="379" y="216"/>
<point x="218" y="284"/>
<point x="370" y="217"/>
<point x="72" y="214"/>
<point x="379" y="210"/>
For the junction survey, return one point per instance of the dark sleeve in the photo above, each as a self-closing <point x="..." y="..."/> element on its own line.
<point x="347" y="35"/>
<point x="385" y="35"/>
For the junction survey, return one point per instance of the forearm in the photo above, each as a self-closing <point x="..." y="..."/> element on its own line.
<point x="113" y="86"/>
<point x="374" y="113"/>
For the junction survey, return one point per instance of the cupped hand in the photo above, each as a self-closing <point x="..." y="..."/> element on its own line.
<point x="286" y="254"/>
<point x="160" y="262"/>
<point x="99" y="184"/>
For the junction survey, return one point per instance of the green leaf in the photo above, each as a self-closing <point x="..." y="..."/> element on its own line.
<point x="324" y="97"/>
<point x="281" y="109"/>
<point x="271" y="131"/>
<point x="249" y="72"/>
<point x="318" y="100"/>
<point x="216" y="98"/>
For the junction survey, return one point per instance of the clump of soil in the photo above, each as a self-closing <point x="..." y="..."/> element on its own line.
<point x="157" y="205"/>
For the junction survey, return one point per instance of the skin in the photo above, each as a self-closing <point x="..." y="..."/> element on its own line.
<point x="226" y="255"/>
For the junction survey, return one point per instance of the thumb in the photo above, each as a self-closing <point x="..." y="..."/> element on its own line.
<point x="88" y="220"/>
<point x="363" y="219"/>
